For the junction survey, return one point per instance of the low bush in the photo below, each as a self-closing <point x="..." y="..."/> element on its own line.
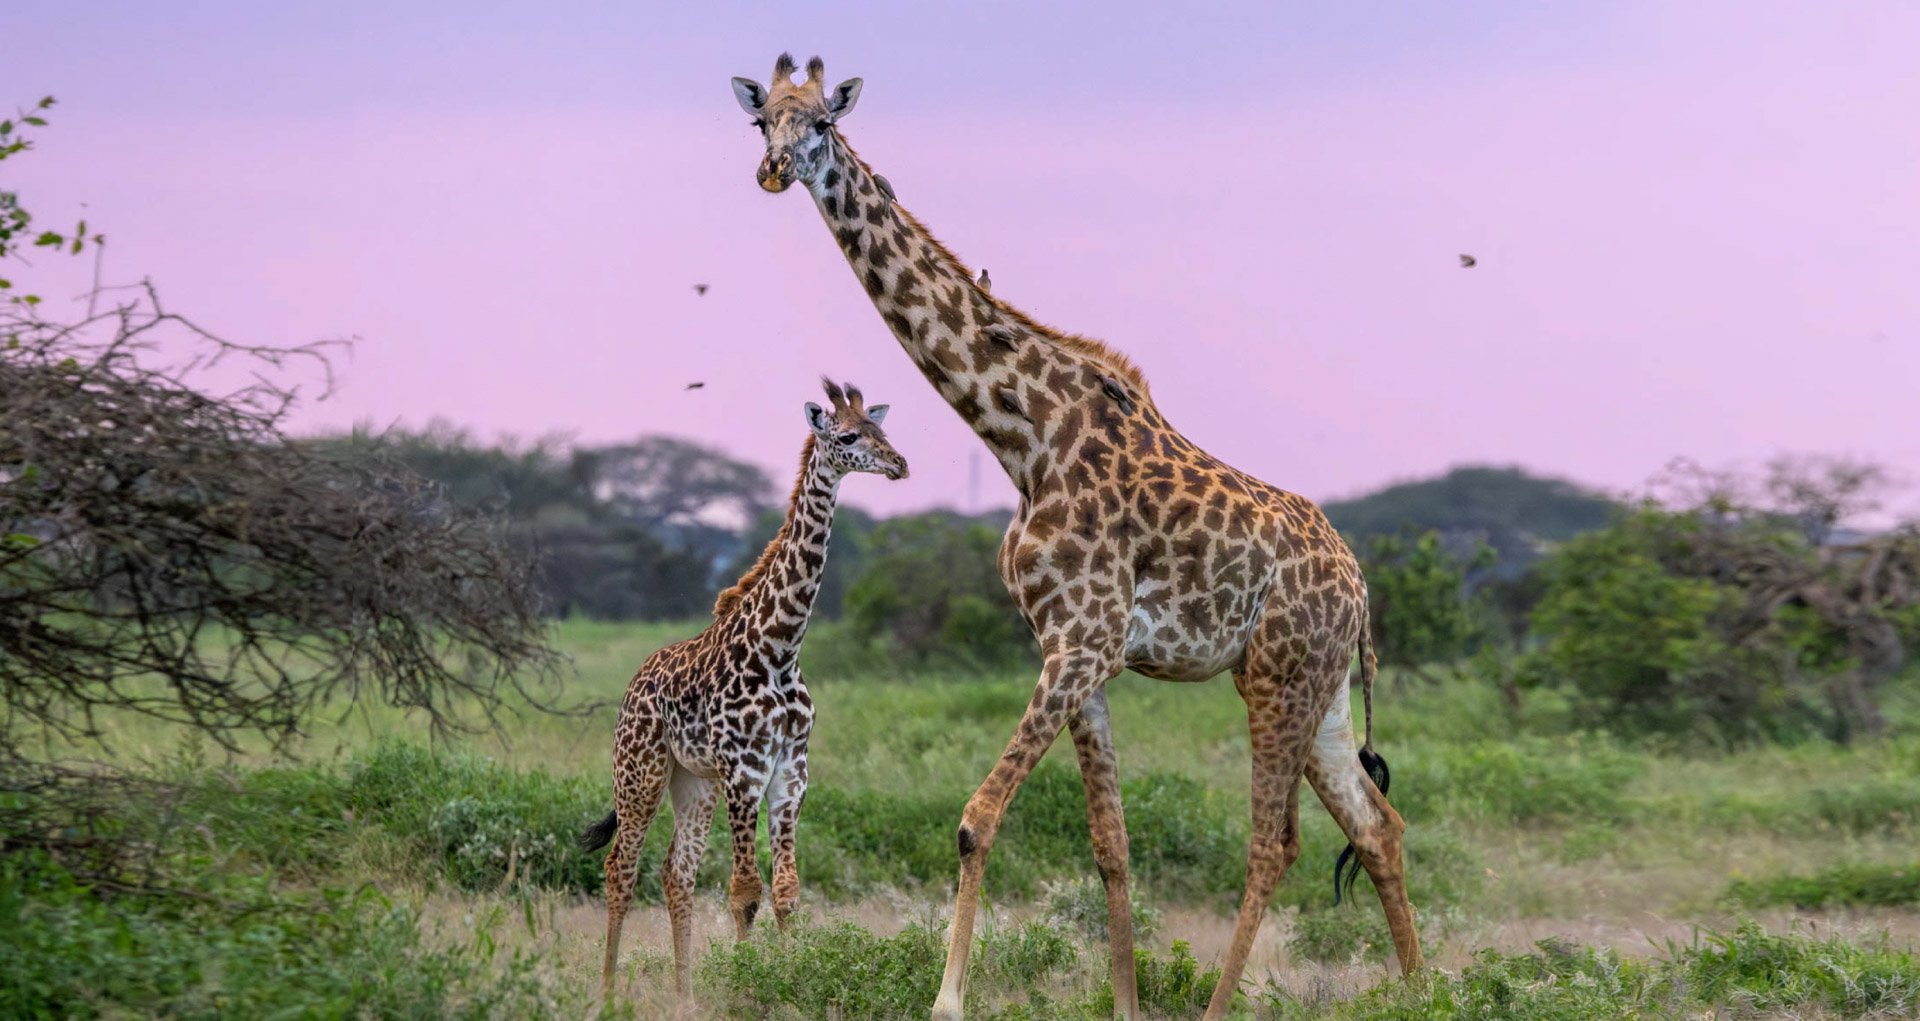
<point x="1518" y="779"/>
<point x="1746" y="973"/>
<point x="1848" y="885"/>
<point x="1080" y="906"/>
<point x="237" y="948"/>
<point x="1340" y="935"/>
<point x="1766" y="972"/>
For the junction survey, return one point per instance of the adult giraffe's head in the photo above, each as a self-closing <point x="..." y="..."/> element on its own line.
<point x="797" y="121"/>
<point x="848" y="437"/>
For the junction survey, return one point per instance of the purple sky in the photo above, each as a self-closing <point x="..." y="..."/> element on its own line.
<point x="1698" y="225"/>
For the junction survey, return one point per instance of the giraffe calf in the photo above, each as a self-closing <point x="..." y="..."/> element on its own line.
<point x="726" y="714"/>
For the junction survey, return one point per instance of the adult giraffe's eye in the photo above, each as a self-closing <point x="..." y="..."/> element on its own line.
<point x="759" y="125"/>
<point x="846" y="439"/>
<point x="822" y="126"/>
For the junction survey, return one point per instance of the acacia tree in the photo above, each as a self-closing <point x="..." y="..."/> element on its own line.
<point x="167" y="550"/>
<point x="1732" y="603"/>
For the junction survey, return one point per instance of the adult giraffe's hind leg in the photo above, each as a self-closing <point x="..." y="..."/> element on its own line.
<point x="1093" y="743"/>
<point x="1280" y="717"/>
<point x="1369" y="822"/>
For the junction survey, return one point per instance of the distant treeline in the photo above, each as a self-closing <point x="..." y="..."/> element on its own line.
<point x="653" y="529"/>
<point x="1732" y="605"/>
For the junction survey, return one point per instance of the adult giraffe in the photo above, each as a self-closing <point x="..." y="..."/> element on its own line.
<point x="1131" y="549"/>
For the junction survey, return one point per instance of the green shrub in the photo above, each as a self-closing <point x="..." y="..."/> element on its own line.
<point x="1174" y="987"/>
<point x="1751" y="971"/>
<point x="829" y="971"/>
<point x="480" y="820"/>
<point x="841" y="970"/>
<point x="1860" y="807"/>
<point x="1851" y="885"/>
<point x="1519" y="779"/>
<point x="1764" y="971"/>
<point x="1340" y="935"/>
<point x="1080" y="906"/>
<point x="240" y="949"/>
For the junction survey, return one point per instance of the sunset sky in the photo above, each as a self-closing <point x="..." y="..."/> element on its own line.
<point x="1697" y="224"/>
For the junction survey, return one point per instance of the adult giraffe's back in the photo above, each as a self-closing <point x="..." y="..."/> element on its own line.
<point x="1131" y="548"/>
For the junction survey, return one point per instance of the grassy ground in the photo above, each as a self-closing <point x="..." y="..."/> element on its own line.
<point x="1528" y="835"/>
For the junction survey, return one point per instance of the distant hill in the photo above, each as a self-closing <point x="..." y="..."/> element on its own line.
<point x="1515" y="512"/>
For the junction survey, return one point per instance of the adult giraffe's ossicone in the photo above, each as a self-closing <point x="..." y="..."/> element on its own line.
<point x="1131" y="548"/>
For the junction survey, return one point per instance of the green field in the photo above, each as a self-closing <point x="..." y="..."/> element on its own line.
<point x="1558" y="872"/>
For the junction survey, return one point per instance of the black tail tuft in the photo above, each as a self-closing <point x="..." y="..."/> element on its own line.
<point x="1376" y="768"/>
<point x="600" y="834"/>
<point x="1346" y="868"/>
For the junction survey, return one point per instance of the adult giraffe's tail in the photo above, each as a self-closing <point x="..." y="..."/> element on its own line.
<point x="600" y="834"/>
<point x="1346" y="868"/>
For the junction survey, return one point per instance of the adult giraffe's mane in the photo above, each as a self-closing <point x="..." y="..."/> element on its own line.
<point x="732" y="597"/>
<point x="1086" y="347"/>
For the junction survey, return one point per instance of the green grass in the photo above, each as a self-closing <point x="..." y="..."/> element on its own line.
<point x="1526" y="816"/>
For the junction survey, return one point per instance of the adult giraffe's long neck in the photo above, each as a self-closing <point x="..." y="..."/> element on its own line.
<point x="775" y="597"/>
<point x="1008" y="377"/>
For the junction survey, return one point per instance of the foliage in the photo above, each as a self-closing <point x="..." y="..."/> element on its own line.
<point x="931" y="587"/>
<point x="1750" y="971"/>
<point x="1765" y="971"/>
<point x="1418" y="599"/>
<point x="1851" y="885"/>
<point x="237" y="948"/>
<point x="1340" y="935"/>
<point x="1731" y="618"/>
<point x="1079" y="906"/>
<point x="1176" y="987"/>
<point x="16" y="220"/>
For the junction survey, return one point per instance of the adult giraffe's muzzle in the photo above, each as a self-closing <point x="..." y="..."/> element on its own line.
<point x="776" y="172"/>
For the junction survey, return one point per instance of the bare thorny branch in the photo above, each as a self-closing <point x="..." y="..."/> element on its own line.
<point x="173" y="553"/>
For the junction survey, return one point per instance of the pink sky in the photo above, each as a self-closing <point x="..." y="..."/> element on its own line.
<point x="1698" y="225"/>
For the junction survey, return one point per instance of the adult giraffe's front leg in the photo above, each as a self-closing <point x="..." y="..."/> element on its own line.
<point x="1070" y="676"/>
<point x="1092" y="731"/>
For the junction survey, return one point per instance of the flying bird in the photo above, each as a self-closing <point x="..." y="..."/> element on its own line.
<point x="695" y="386"/>
<point x="700" y="289"/>
<point x="1468" y="261"/>
<point x="985" y="282"/>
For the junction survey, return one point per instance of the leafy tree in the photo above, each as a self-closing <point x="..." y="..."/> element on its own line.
<point x="1730" y="611"/>
<point x="1422" y="613"/>
<point x="931" y="585"/>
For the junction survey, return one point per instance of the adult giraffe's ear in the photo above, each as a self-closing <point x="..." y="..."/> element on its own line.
<point x="751" y="96"/>
<point x="878" y="413"/>
<point x="840" y="101"/>
<point x="817" y="419"/>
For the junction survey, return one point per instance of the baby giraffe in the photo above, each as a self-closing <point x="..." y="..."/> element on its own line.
<point x="726" y="712"/>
